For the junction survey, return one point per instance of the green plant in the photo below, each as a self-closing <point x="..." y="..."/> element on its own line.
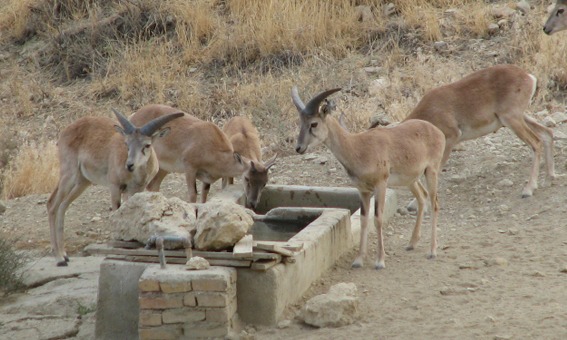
<point x="11" y="263"/>
<point x="83" y="310"/>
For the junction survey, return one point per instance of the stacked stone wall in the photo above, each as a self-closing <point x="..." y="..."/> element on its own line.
<point x="176" y="303"/>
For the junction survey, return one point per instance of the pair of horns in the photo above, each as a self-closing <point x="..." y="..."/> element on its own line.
<point x="313" y="105"/>
<point x="150" y="128"/>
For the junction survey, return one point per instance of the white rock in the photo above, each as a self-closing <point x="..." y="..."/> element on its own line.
<point x="549" y="122"/>
<point x="389" y="9"/>
<point x="364" y="13"/>
<point x="505" y="183"/>
<point x="148" y="214"/>
<point x="197" y="263"/>
<point x="559" y="117"/>
<point x="493" y="28"/>
<point x="523" y="6"/>
<point x="220" y="225"/>
<point x="440" y="46"/>
<point x="337" y="308"/>
<point x="377" y="86"/>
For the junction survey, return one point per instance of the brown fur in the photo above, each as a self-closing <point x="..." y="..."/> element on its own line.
<point x="481" y="103"/>
<point x="197" y="148"/>
<point x="376" y="159"/>
<point x="245" y="140"/>
<point x="93" y="151"/>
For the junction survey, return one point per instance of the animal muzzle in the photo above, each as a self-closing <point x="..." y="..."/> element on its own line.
<point x="130" y="167"/>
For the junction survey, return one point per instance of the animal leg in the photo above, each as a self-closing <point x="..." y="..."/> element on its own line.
<point x="528" y="136"/>
<point x="66" y="192"/>
<point x="191" y="179"/>
<point x="546" y="135"/>
<point x="379" y="202"/>
<point x="205" y="187"/>
<point x="432" y="177"/>
<point x="420" y="194"/>
<point x="155" y="183"/>
<point x="364" y="210"/>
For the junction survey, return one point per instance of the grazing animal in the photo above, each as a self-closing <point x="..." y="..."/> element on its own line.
<point x="376" y="159"/>
<point x="557" y="20"/>
<point x="94" y="150"/>
<point x="197" y="148"/>
<point x="245" y="140"/>
<point x="483" y="102"/>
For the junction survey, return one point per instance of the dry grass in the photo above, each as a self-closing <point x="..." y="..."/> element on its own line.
<point x="35" y="169"/>
<point x="217" y="59"/>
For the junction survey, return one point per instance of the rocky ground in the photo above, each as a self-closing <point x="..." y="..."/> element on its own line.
<point x="500" y="272"/>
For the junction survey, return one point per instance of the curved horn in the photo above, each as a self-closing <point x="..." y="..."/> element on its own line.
<point x="152" y="126"/>
<point x="271" y="162"/>
<point x="126" y="124"/>
<point x="296" y="100"/>
<point x="313" y="105"/>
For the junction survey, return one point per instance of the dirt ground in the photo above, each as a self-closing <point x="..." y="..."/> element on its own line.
<point x="501" y="270"/>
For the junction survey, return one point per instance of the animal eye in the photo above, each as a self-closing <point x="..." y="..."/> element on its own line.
<point x="147" y="146"/>
<point x="314" y="125"/>
<point x="560" y="11"/>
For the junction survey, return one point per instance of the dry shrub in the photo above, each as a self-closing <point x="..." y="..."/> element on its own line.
<point x="12" y="264"/>
<point x="35" y="169"/>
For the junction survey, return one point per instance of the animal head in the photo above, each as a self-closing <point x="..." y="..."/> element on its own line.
<point x="138" y="140"/>
<point x="313" y="128"/>
<point x="557" y="20"/>
<point x="255" y="179"/>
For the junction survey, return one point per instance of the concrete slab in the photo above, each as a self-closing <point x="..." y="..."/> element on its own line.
<point x="118" y="309"/>
<point x="43" y="270"/>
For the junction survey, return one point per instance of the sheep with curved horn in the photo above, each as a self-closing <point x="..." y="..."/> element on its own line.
<point x="196" y="148"/>
<point x="376" y="159"/>
<point x="94" y="150"/>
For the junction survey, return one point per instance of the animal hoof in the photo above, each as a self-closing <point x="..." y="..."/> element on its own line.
<point x="408" y="248"/>
<point x="66" y="258"/>
<point x="356" y="264"/>
<point x="379" y="266"/>
<point x="526" y="195"/>
<point x="62" y="264"/>
<point x="431" y="256"/>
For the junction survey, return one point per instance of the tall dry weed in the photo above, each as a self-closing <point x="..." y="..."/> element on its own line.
<point x="35" y="169"/>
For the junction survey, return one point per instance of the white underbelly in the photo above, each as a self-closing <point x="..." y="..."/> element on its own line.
<point x="398" y="180"/>
<point x="468" y="134"/>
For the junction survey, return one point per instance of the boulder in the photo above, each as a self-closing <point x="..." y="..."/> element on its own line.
<point x="149" y="214"/>
<point x="220" y="225"/>
<point x="337" y="308"/>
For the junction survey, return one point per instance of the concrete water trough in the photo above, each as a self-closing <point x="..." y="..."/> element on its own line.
<point x="329" y="227"/>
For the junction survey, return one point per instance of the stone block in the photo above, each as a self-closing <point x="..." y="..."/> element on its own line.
<point x="210" y="285"/>
<point x="182" y="315"/>
<point x="189" y="300"/>
<point x="161" y="301"/>
<point x="199" y="330"/>
<point x="169" y="332"/>
<point x="148" y="286"/>
<point x="175" y="287"/>
<point x="212" y="299"/>
<point x="150" y="318"/>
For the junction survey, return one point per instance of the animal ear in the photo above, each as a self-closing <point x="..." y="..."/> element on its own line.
<point x="253" y="167"/>
<point x="161" y="132"/>
<point x="271" y="162"/>
<point x="238" y="157"/>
